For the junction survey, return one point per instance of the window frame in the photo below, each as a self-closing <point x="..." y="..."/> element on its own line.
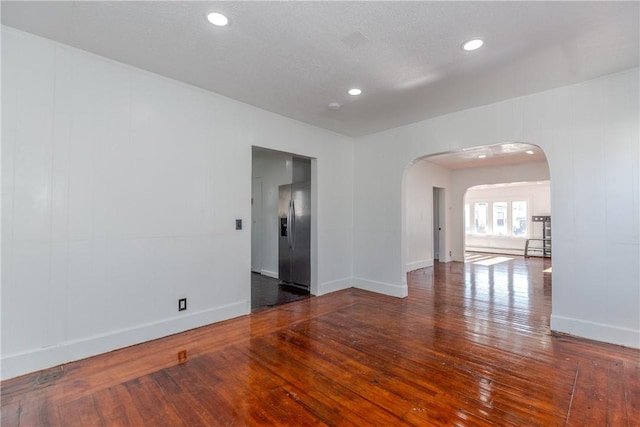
<point x="509" y="214"/>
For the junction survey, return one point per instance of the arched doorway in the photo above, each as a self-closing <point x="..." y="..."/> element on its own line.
<point x="453" y="173"/>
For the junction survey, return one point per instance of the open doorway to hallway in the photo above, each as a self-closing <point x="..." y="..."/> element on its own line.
<point x="281" y="228"/>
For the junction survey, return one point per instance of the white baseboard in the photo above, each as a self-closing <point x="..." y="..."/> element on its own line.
<point x="596" y="331"/>
<point x="335" y="285"/>
<point x="268" y="273"/>
<point x="501" y="251"/>
<point x="400" y="291"/>
<point x="14" y="365"/>
<point x="417" y="265"/>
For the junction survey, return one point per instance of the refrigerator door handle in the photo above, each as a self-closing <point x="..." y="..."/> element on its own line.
<point x="293" y="223"/>
<point x="289" y="229"/>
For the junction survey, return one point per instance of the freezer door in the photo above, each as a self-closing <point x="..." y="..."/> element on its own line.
<point x="285" y="211"/>
<point x="301" y="234"/>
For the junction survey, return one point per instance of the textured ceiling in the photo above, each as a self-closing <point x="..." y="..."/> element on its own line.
<point x="492" y="155"/>
<point x="294" y="58"/>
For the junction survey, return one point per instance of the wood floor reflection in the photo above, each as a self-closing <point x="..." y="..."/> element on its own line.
<point x="470" y="346"/>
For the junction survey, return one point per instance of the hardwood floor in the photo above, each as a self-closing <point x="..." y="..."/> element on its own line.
<point x="470" y="346"/>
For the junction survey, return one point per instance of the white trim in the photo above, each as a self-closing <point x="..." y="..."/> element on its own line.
<point x="390" y="289"/>
<point x="268" y="273"/>
<point x="596" y="331"/>
<point x="22" y="363"/>
<point x="490" y="202"/>
<point x="494" y="250"/>
<point x="417" y="265"/>
<point x="335" y="285"/>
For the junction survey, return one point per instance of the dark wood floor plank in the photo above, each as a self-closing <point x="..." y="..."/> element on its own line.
<point x="271" y="402"/>
<point x="616" y="399"/>
<point x="152" y="404"/>
<point x="117" y="408"/>
<point x="27" y="412"/>
<point x="10" y="414"/>
<point x="180" y="399"/>
<point x="80" y="412"/>
<point x="356" y="376"/>
<point x="631" y="378"/>
<point x="198" y="378"/>
<point x="297" y="370"/>
<point x="491" y="365"/>
<point x="471" y="345"/>
<point x="454" y="377"/>
<point x="385" y="383"/>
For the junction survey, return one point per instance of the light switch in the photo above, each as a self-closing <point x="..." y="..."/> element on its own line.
<point x="238" y="224"/>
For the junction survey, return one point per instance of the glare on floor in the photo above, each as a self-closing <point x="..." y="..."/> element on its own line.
<point x="493" y="260"/>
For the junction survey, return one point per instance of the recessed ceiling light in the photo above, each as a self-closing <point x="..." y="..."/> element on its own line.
<point x="529" y="151"/>
<point x="472" y="45"/>
<point x="334" y="106"/>
<point x="354" y="91"/>
<point x="217" y="19"/>
<point x="482" y="156"/>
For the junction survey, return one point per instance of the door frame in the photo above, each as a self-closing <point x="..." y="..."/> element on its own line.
<point x="439" y="223"/>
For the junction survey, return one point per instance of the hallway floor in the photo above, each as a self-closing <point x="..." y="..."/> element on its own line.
<point x="268" y="292"/>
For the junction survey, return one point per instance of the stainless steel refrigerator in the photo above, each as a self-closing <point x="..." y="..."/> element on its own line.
<point x="294" y="242"/>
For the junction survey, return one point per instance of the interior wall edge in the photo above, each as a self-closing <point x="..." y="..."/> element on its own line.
<point x="390" y="289"/>
<point x="596" y="331"/>
<point x="334" y="285"/>
<point x="417" y="265"/>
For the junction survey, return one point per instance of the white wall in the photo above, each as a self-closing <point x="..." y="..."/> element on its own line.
<point x="120" y="191"/>
<point x="538" y="198"/>
<point x="275" y="169"/>
<point x="420" y="179"/>
<point x="589" y="132"/>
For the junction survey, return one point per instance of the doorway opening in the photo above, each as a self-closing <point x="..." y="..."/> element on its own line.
<point x="435" y="218"/>
<point x="282" y="226"/>
<point x="439" y="223"/>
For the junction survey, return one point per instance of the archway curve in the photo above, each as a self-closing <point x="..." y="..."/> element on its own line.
<point x="508" y="162"/>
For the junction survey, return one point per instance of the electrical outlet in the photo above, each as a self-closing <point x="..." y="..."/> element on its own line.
<point x="182" y="304"/>
<point x="182" y="356"/>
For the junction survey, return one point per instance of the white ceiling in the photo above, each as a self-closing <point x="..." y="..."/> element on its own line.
<point x="294" y="58"/>
<point x="493" y="155"/>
